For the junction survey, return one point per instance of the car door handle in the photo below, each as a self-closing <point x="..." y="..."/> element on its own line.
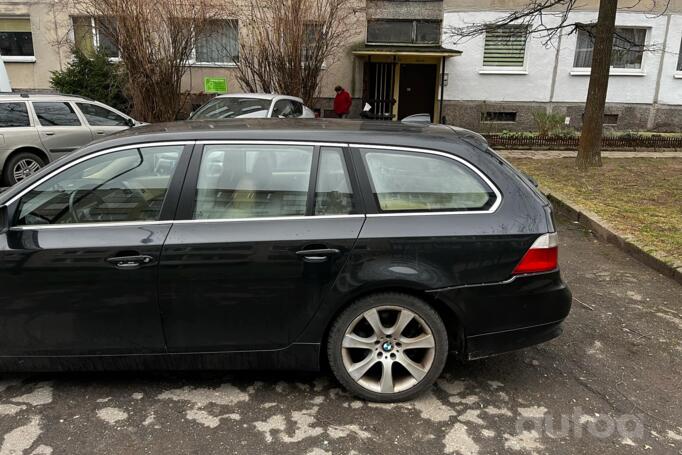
<point x="130" y="262"/>
<point x="317" y="256"/>
<point x="49" y="133"/>
<point x="101" y="133"/>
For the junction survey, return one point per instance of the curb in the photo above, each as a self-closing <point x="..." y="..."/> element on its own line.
<point x="604" y="232"/>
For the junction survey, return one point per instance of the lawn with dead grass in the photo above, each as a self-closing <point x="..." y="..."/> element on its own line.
<point x="640" y="197"/>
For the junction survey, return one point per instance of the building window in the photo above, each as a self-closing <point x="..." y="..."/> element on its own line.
<point x="92" y="33"/>
<point x="679" y="59"/>
<point x="403" y="32"/>
<point x="505" y="46"/>
<point x="628" y="47"/>
<point x="219" y="43"/>
<point x="611" y="119"/>
<point x="16" y="41"/>
<point x="498" y="117"/>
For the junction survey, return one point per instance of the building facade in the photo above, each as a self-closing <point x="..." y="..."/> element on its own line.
<point x="400" y="59"/>
<point x="492" y="90"/>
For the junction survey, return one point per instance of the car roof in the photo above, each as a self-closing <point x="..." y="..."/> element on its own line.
<point x="376" y="132"/>
<point x="41" y="97"/>
<point x="263" y="96"/>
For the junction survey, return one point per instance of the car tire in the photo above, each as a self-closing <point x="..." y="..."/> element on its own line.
<point x="354" y="342"/>
<point x="33" y="162"/>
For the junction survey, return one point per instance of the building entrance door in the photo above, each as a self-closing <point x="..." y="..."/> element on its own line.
<point x="417" y="93"/>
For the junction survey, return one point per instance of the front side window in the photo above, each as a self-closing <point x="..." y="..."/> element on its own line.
<point x="100" y="116"/>
<point x="13" y="115"/>
<point x="218" y="43"/>
<point x="125" y="186"/>
<point x="16" y="39"/>
<point x="627" y="52"/>
<point x="333" y="192"/>
<point x="505" y="46"/>
<point x="56" y="114"/>
<point x="252" y="181"/>
<point x="408" y="181"/>
<point x="233" y="107"/>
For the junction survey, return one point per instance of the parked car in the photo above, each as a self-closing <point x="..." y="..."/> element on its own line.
<point x="253" y="105"/>
<point x="37" y="129"/>
<point x="375" y="247"/>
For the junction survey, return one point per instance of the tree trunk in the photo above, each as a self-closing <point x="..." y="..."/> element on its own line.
<point x="589" y="151"/>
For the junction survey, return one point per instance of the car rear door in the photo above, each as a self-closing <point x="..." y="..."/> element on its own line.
<point x="79" y="266"/>
<point x="61" y="129"/>
<point x="101" y="120"/>
<point x="255" y="248"/>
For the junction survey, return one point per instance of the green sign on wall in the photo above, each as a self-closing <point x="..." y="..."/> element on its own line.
<point x="215" y="85"/>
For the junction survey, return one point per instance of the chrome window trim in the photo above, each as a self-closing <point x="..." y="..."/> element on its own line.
<point x="111" y="224"/>
<point x="271" y="218"/>
<point x="388" y="148"/>
<point x="89" y="156"/>
<point x="279" y="142"/>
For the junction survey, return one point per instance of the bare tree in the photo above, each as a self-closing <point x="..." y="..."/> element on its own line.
<point x="534" y="16"/>
<point x="286" y="43"/>
<point x="155" y="40"/>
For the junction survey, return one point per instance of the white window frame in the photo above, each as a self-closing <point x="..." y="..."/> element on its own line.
<point x="511" y="70"/>
<point x="678" y="64"/>
<point x="95" y="36"/>
<point x="20" y="58"/>
<point x="193" y="57"/>
<point x="613" y="71"/>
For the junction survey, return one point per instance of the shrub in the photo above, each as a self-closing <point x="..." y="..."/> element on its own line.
<point x="93" y="77"/>
<point x="547" y="124"/>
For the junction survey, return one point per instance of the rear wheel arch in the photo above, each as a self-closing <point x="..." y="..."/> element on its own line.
<point x="453" y="325"/>
<point x="26" y="149"/>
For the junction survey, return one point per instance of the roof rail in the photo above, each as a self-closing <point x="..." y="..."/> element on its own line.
<point x="471" y="137"/>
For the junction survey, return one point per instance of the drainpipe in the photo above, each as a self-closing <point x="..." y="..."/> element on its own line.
<point x="442" y="88"/>
<point x="554" y="74"/>
<point x="654" y="106"/>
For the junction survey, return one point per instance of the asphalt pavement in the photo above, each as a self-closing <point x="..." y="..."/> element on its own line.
<point x="611" y="384"/>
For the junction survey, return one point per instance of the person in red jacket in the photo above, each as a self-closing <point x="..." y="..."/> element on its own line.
<point x="342" y="102"/>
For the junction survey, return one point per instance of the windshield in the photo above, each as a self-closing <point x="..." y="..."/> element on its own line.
<point x="220" y="108"/>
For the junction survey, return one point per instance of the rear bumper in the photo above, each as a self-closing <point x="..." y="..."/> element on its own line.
<point x="502" y="317"/>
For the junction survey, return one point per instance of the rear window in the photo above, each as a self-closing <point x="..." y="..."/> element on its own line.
<point x="422" y="182"/>
<point x="221" y="108"/>
<point x="13" y="115"/>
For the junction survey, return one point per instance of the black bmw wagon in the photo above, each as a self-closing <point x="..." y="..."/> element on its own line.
<point x="374" y="248"/>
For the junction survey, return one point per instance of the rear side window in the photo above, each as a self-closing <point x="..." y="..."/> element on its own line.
<point x="13" y="115"/>
<point x="253" y="181"/>
<point x="99" y="116"/>
<point x="410" y="181"/>
<point x="56" y="114"/>
<point x="333" y="192"/>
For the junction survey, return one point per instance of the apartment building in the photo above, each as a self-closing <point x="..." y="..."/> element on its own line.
<point x="493" y="87"/>
<point x="401" y="60"/>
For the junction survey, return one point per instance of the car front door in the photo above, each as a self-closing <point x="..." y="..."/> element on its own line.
<point x="102" y="121"/>
<point x="256" y="249"/>
<point x="61" y="129"/>
<point x="79" y="264"/>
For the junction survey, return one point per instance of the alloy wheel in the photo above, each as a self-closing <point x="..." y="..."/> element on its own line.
<point x="24" y="169"/>
<point x="388" y="349"/>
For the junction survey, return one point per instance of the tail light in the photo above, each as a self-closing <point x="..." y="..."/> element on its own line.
<point x="542" y="256"/>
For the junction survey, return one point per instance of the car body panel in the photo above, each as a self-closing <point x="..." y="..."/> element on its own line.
<point x="236" y="294"/>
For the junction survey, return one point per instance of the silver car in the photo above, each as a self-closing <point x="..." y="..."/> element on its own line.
<point x="38" y="129"/>
<point x="253" y="105"/>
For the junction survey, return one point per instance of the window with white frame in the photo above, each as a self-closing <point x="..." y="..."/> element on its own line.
<point x="627" y="52"/>
<point x="218" y="43"/>
<point x="16" y="40"/>
<point x="679" y="59"/>
<point x="505" y="46"/>
<point x="95" y="33"/>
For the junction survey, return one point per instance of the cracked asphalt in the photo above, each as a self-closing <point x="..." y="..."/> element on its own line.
<point x="610" y="385"/>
